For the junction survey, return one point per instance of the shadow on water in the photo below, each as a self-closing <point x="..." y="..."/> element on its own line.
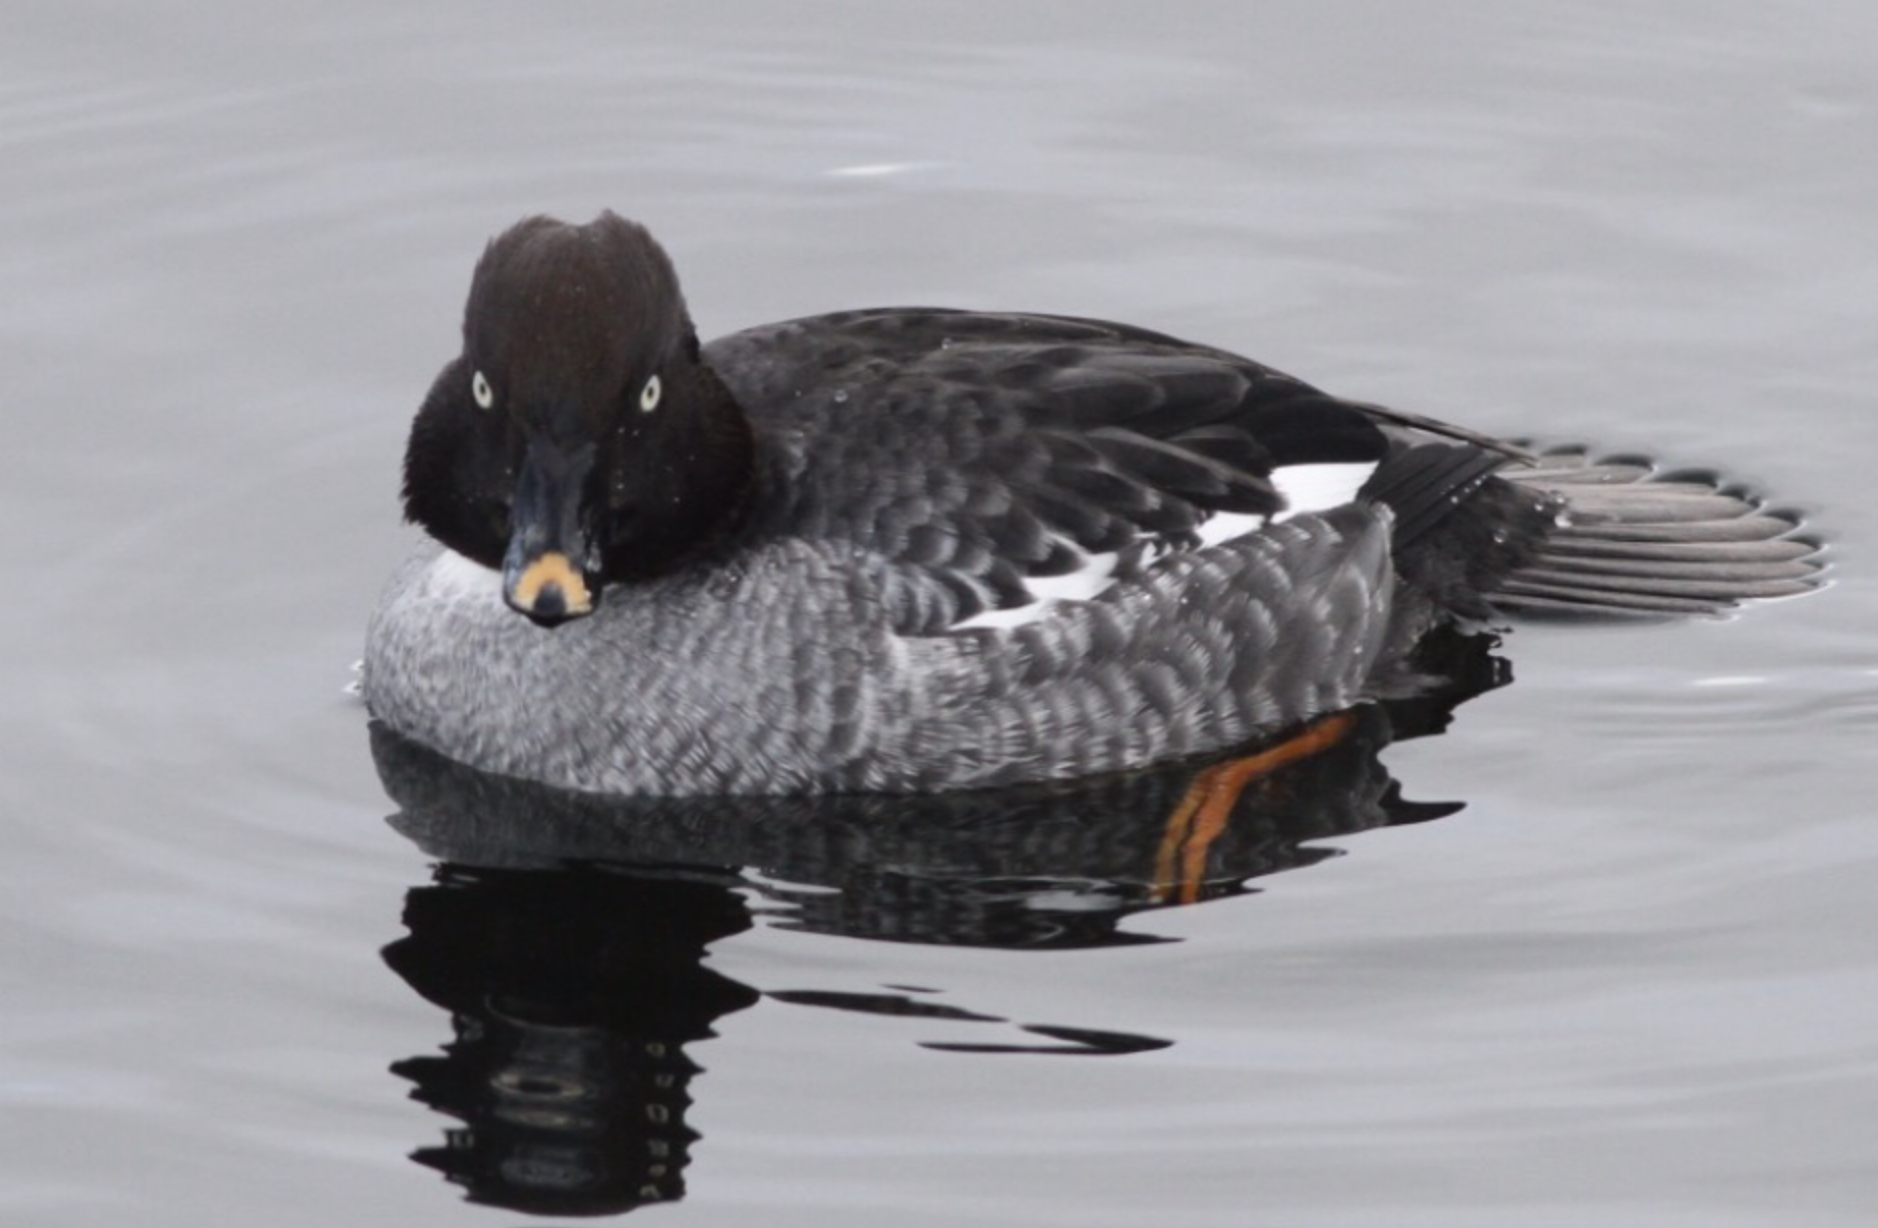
<point x="566" y="934"/>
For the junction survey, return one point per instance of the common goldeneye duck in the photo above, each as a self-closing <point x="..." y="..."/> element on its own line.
<point x="918" y="549"/>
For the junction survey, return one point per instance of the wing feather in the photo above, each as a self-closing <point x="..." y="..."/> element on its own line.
<point x="1003" y="448"/>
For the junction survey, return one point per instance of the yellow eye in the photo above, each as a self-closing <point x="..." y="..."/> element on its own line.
<point x="480" y="389"/>
<point x="649" y="395"/>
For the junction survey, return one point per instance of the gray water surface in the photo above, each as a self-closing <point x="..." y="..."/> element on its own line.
<point x="1635" y="981"/>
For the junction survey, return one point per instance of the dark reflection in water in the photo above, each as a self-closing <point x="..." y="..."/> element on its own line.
<point x="572" y="995"/>
<point x="567" y="934"/>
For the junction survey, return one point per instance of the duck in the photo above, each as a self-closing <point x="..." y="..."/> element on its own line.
<point x="914" y="550"/>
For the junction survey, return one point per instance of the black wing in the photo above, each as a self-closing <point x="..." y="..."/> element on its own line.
<point x="978" y="452"/>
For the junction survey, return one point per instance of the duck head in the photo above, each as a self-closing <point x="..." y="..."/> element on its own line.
<point x="578" y="440"/>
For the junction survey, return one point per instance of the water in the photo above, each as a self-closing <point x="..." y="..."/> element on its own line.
<point x="1631" y="981"/>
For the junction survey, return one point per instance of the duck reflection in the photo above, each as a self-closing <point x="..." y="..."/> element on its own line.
<point x="567" y="934"/>
<point x="572" y="995"/>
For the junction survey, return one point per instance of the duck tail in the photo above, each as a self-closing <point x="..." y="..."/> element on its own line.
<point x="1629" y="538"/>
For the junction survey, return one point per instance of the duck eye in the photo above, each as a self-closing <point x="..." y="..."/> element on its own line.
<point x="480" y="389"/>
<point x="649" y="395"/>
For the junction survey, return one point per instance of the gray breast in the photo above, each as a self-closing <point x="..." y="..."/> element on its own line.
<point x="774" y="670"/>
<point x="759" y="675"/>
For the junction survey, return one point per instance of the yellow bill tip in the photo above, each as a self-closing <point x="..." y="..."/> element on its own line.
<point x="556" y="571"/>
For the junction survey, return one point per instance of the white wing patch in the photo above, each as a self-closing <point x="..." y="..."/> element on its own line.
<point x="1092" y="574"/>
<point x="1304" y="488"/>
<point x="1318" y="488"/>
<point x="1016" y="616"/>
<point x="1222" y="527"/>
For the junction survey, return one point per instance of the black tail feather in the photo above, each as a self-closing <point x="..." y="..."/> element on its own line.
<point x="1422" y="485"/>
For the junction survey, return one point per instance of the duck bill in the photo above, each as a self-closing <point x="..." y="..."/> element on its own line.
<point x="544" y="574"/>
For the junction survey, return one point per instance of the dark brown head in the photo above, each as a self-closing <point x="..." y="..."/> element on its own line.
<point x="578" y="439"/>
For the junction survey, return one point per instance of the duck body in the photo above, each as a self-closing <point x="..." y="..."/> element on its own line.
<point x="918" y="550"/>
